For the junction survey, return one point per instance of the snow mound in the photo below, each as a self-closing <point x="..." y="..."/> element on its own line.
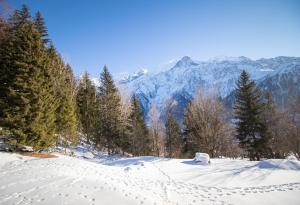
<point x="26" y="149"/>
<point x="88" y="155"/>
<point x="203" y="158"/>
<point x="279" y="164"/>
<point x="291" y="157"/>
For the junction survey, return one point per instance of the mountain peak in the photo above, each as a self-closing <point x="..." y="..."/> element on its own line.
<point x="127" y="78"/>
<point x="229" y="58"/>
<point x="185" y="61"/>
<point x="180" y="82"/>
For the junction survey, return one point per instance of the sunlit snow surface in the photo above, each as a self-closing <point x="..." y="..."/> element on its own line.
<point x="146" y="180"/>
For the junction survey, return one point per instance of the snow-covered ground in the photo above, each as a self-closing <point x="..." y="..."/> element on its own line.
<point x="146" y="180"/>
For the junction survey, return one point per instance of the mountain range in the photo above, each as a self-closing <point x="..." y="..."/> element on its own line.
<point x="279" y="75"/>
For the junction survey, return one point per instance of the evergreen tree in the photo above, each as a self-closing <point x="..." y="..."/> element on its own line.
<point x="4" y="27"/>
<point x="173" y="137"/>
<point x="86" y="104"/>
<point x="40" y="27"/>
<point x="24" y="14"/>
<point x="20" y="18"/>
<point x="138" y="133"/>
<point x="109" y="112"/>
<point x="250" y="127"/>
<point x="37" y="91"/>
<point x="24" y="94"/>
<point x="66" y="119"/>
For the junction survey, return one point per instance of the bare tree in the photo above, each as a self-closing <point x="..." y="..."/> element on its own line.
<point x="156" y="132"/>
<point x="280" y="130"/>
<point x="283" y="127"/>
<point x="125" y="113"/>
<point x="206" y="127"/>
<point x="294" y="114"/>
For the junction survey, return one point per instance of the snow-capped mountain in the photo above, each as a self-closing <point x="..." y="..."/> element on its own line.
<point x="219" y="75"/>
<point x="128" y="78"/>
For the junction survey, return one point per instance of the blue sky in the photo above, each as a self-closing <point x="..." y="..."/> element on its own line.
<point x="130" y="34"/>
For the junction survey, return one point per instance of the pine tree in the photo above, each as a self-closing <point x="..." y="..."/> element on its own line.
<point x="138" y="133"/>
<point x="66" y="118"/>
<point x="24" y="96"/>
<point x="251" y="128"/>
<point x="109" y="123"/>
<point x="24" y="14"/>
<point x="173" y="137"/>
<point x="4" y="27"/>
<point x="87" y="107"/>
<point x="40" y="27"/>
<point x="20" y="17"/>
<point x="36" y="87"/>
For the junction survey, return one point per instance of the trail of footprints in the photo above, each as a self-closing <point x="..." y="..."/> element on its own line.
<point x="186" y="192"/>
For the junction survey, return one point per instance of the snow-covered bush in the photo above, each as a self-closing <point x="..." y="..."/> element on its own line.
<point x="202" y="158"/>
<point x="24" y="148"/>
<point x="291" y="156"/>
<point x="88" y="155"/>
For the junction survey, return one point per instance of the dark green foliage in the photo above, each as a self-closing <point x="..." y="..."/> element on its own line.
<point x="24" y="87"/>
<point x="138" y="133"/>
<point x="4" y="34"/>
<point x="35" y="85"/>
<point x="251" y="129"/>
<point x="109" y="121"/>
<point x="173" y="137"/>
<point x="39" y="24"/>
<point x="20" y="17"/>
<point x="87" y="107"/>
<point x="66" y="119"/>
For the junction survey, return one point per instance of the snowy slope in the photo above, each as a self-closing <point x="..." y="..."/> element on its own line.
<point x="146" y="180"/>
<point x="218" y="75"/>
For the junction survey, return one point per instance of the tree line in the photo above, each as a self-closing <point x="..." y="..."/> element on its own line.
<point x="42" y="104"/>
<point x="37" y="89"/>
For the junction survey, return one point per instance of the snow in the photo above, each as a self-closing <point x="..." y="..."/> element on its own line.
<point x="219" y="74"/>
<point x="145" y="180"/>
<point x="202" y="157"/>
<point x="26" y="149"/>
<point x="88" y="155"/>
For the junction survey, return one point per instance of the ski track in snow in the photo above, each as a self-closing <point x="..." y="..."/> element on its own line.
<point x="67" y="180"/>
